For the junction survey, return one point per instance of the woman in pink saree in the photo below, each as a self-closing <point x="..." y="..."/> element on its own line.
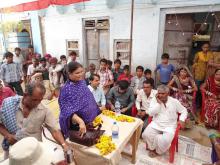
<point x="182" y="88"/>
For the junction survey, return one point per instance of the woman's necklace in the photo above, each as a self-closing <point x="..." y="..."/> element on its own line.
<point x="184" y="80"/>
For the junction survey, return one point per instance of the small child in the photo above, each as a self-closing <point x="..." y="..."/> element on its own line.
<point x="126" y="74"/>
<point x="117" y="71"/>
<point x="91" y="71"/>
<point x="63" y="60"/>
<point x="148" y="76"/>
<point x="137" y="81"/>
<point x="165" y="69"/>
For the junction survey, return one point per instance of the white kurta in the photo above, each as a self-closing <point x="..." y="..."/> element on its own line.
<point x="160" y="131"/>
<point x="53" y="75"/>
<point x="142" y="101"/>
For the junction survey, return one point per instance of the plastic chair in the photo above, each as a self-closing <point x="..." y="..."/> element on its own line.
<point x="174" y="143"/>
<point x="202" y="114"/>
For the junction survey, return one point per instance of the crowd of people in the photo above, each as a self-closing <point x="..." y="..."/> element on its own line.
<point x="84" y="93"/>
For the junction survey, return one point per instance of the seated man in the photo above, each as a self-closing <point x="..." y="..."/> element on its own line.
<point x="97" y="92"/>
<point x="160" y="132"/>
<point x="5" y="92"/>
<point x="22" y="117"/>
<point x="124" y="94"/>
<point x="143" y="100"/>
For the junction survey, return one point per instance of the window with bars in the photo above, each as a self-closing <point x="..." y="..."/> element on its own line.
<point x="72" y="45"/>
<point x="121" y="50"/>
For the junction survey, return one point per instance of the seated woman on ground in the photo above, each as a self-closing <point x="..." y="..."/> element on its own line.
<point x="211" y="88"/>
<point x="77" y="104"/>
<point x="182" y="87"/>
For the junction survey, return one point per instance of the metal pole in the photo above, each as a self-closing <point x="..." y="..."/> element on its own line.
<point x="131" y="33"/>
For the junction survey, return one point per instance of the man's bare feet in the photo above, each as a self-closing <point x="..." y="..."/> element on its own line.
<point x="152" y="154"/>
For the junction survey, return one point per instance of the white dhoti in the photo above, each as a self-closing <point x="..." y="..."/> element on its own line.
<point x="157" y="139"/>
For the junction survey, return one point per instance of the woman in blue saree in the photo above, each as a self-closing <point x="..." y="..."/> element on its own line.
<point x="77" y="104"/>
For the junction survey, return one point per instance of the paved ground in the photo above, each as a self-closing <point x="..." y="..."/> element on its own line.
<point x="142" y="154"/>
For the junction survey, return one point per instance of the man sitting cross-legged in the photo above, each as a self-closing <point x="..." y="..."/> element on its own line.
<point x="160" y="132"/>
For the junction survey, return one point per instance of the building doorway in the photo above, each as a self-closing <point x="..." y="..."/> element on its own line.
<point x="185" y="33"/>
<point x="96" y="40"/>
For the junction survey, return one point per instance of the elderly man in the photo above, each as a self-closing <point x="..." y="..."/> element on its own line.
<point x="124" y="94"/>
<point x="143" y="100"/>
<point x="24" y="117"/>
<point x="160" y="132"/>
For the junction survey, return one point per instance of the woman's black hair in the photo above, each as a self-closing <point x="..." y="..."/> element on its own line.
<point x="208" y="43"/>
<point x="73" y="66"/>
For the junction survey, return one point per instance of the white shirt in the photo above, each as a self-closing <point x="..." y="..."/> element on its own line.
<point x="54" y="77"/>
<point x="31" y="69"/>
<point x="142" y="101"/>
<point x="18" y="59"/>
<point x="98" y="95"/>
<point x="165" y="118"/>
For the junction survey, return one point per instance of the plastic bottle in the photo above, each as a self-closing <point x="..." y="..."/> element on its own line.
<point x="115" y="131"/>
<point x="117" y="107"/>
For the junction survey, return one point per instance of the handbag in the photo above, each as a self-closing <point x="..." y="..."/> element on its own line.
<point x="90" y="138"/>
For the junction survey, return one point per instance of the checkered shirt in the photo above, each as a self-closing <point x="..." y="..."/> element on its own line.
<point x="8" y="111"/>
<point x="105" y="76"/>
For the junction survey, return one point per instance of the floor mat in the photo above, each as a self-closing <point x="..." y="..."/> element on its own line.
<point x="190" y="153"/>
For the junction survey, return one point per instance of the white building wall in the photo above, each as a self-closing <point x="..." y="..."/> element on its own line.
<point x="146" y="35"/>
